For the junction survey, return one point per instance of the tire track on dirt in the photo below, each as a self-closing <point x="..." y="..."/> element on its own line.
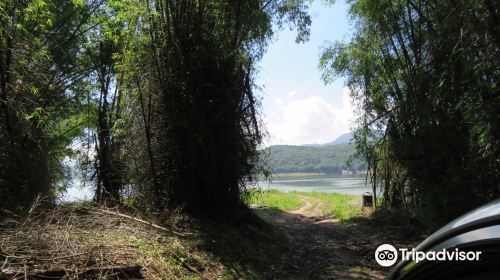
<point x="322" y="248"/>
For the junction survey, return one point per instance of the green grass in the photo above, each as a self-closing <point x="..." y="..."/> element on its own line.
<point x="339" y="206"/>
<point x="275" y="200"/>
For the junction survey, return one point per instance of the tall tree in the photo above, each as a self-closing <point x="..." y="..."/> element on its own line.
<point x="39" y="74"/>
<point x="105" y="50"/>
<point x="203" y="130"/>
<point x="425" y="77"/>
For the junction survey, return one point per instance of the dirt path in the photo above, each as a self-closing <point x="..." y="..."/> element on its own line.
<point x="323" y="248"/>
<point x="302" y="210"/>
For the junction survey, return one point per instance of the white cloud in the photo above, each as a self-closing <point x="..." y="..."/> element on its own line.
<point x="291" y="93"/>
<point x="309" y="120"/>
<point x="279" y="102"/>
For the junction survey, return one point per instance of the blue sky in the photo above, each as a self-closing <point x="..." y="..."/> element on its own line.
<point x="297" y="107"/>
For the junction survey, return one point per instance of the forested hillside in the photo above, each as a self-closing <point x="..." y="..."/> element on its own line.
<point x="329" y="159"/>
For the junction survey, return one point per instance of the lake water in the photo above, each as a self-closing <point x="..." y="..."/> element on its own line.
<point x="317" y="183"/>
<point x="320" y="183"/>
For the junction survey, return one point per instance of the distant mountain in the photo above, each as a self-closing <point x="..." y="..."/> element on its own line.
<point x="345" y="138"/>
<point x="330" y="159"/>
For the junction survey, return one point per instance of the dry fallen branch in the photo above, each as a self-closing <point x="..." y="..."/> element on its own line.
<point x="34" y="258"/>
<point x="121" y="272"/>
<point x="143" y="222"/>
<point x="80" y="243"/>
<point x="58" y="243"/>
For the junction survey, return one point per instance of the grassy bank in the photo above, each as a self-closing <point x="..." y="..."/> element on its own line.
<point x="336" y="205"/>
<point x="276" y="200"/>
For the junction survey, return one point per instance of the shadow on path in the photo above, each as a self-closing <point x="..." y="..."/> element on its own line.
<point x="324" y="249"/>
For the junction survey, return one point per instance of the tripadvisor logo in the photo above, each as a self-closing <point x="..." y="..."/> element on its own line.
<point x="387" y="255"/>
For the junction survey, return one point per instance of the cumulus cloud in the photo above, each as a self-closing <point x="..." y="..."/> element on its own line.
<point x="309" y="120"/>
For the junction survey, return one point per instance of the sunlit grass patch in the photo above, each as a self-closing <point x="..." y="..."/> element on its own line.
<point x="274" y="199"/>
<point x="358" y="273"/>
<point x="340" y="206"/>
<point x="336" y="205"/>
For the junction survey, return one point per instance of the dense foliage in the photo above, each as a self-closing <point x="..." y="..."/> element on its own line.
<point x="425" y="75"/>
<point x="40" y="94"/>
<point x="153" y="100"/>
